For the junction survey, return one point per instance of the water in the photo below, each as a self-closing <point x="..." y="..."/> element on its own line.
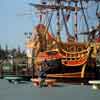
<point x="62" y="92"/>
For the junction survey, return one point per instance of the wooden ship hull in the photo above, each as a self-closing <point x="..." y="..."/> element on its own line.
<point x="65" y="60"/>
<point x="68" y="64"/>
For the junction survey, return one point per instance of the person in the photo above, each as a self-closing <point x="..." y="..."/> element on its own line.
<point x="42" y="74"/>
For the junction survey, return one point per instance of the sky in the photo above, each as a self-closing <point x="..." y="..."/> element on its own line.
<point x="13" y="22"/>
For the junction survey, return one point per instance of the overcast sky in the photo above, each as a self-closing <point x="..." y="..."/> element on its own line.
<point x="13" y="23"/>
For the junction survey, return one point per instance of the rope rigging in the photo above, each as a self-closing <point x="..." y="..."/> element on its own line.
<point x="98" y="12"/>
<point x="67" y="32"/>
<point x="87" y="26"/>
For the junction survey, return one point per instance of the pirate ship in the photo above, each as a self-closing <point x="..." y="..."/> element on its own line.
<point x="63" y="59"/>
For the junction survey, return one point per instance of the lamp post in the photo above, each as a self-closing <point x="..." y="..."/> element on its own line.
<point x="28" y="50"/>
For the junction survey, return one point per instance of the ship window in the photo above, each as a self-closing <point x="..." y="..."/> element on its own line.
<point x="79" y="49"/>
<point x="72" y="55"/>
<point x="77" y="58"/>
<point x="73" y="58"/>
<point x="68" y="58"/>
<point x="52" y="52"/>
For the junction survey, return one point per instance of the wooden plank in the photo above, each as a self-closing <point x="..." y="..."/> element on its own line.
<point x="95" y="84"/>
<point x="48" y="82"/>
<point x="67" y="76"/>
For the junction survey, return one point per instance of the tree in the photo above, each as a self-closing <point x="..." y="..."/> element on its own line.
<point x="2" y="54"/>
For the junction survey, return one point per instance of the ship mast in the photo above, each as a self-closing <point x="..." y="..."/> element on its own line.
<point x="75" y="24"/>
<point x="58" y="21"/>
<point x="59" y="7"/>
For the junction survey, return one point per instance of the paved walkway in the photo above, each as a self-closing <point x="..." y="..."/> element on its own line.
<point x="59" y="92"/>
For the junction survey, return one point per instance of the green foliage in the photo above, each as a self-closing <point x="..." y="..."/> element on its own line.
<point x="13" y="52"/>
<point x="2" y="54"/>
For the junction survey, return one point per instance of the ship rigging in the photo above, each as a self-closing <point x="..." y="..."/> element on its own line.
<point x="69" y="59"/>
